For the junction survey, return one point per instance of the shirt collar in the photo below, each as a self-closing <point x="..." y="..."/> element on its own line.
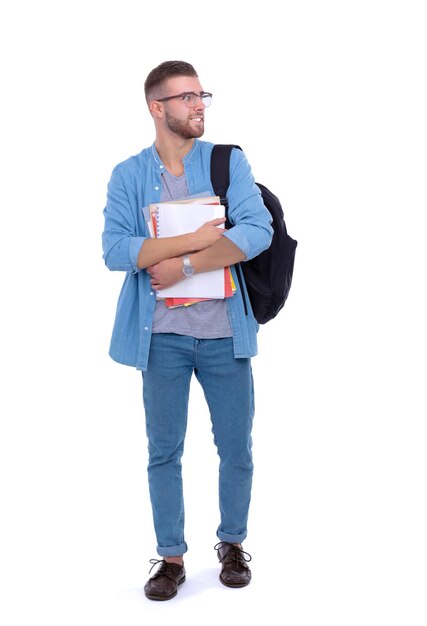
<point x="187" y="157"/>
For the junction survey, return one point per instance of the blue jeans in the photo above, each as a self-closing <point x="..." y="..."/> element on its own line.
<point x="228" y="387"/>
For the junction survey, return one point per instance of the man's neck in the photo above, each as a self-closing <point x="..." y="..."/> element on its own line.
<point x="172" y="150"/>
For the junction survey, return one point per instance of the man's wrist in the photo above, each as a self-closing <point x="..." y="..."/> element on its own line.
<point x="187" y="267"/>
<point x="191" y="244"/>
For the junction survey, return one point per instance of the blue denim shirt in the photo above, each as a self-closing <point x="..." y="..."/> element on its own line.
<point x="134" y="184"/>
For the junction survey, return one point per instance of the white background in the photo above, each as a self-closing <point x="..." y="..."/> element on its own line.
<point x="328" y="99"/>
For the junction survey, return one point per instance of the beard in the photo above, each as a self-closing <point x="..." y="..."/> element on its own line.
<point x="183" y="128"/>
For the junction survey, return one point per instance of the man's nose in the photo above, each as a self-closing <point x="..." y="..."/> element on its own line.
<point x="200" y="105"/>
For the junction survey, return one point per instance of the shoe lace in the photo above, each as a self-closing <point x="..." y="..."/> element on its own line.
<point x="164" y="569"/>
<point x="233" y="553"/>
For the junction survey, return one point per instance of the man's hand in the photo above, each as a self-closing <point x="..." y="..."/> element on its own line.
<point x="166" y="273"/>
<point x="209" y="233"/>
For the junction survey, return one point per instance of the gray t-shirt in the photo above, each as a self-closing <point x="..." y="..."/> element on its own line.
<point x="204" y="320"/>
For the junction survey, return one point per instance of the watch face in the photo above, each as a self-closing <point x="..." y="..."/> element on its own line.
<point x="187" y="268"/>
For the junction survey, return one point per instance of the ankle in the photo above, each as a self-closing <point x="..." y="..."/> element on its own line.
<point x="177" y="560"/>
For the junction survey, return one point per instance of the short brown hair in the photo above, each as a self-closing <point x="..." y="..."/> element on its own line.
<point x="164" y="71"/>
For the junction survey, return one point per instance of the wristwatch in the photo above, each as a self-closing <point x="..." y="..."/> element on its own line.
<point x="187" y="268"/>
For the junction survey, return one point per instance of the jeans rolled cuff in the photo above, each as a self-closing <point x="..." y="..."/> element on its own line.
<point x="172" y="550"/>
<point x="231" y="538"/>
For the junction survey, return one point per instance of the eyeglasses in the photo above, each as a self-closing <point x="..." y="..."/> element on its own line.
<point x="191" y="98"/>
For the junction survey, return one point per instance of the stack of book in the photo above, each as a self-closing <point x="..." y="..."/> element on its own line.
<point x="168" y="219"/>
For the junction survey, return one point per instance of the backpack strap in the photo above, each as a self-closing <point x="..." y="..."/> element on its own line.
<point x="220" y="172"/>
<point x="220" y="179"/>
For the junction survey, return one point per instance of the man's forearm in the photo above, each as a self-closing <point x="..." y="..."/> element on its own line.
<point x="156" y="250"/>
<point x="221" y="254"/>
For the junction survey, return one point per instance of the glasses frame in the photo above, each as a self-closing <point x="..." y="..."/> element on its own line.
<point x="200" y="95"/>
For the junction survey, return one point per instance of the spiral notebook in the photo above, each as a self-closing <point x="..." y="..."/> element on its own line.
<point x="178" y="219"/>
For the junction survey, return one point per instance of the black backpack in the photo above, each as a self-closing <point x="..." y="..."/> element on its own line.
<point x="268" y="276"/>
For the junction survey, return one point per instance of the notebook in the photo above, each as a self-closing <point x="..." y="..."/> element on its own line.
<point x="178" y="219"/>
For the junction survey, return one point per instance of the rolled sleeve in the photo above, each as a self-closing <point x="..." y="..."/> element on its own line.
<point x="251" y="221"/>
<point x="121" y="241"/>
<point x="134" y="248"/>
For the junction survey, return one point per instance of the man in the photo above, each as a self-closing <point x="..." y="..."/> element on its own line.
<point x="213" y="339"/>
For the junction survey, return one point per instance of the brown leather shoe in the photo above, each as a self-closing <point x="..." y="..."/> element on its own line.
<point x="235" y="571"/>
<point x="163" y="585"/>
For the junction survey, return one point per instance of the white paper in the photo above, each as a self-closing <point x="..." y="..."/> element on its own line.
<point x="178" y="219"/>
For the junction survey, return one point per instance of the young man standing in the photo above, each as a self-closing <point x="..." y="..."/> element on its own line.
<point x="213" y="339"/>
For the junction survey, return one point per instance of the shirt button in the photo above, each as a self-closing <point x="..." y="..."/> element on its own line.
<point x="146" y="328"/>
<point x="151" y="293"/>
<point x="156" y="188"/>
<point x="161" y="167"/>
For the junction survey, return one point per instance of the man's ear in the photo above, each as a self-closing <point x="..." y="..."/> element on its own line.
<point x="156" y="109"/>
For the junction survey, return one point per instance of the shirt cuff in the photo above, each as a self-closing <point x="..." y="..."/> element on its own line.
<point x="238" y="238"/>
<point x="134" y="248"/>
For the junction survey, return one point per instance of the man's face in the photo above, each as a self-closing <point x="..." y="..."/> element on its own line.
<point x="186" y="122"/>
